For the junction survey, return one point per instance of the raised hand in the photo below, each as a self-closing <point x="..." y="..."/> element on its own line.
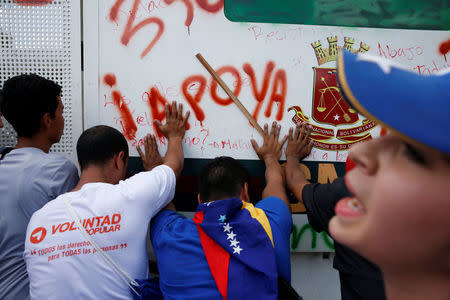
<point x="299" y="146"/>
<point x="150" y="157"/>
<point x="299" y="143"/>
<point x="270" y="148"/>
<point x="175" y="125"/>
<point x="270" y="153"/>
<point x="174" y="130"/>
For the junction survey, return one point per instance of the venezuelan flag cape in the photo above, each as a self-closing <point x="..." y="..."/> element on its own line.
<point x="237" y="240"/>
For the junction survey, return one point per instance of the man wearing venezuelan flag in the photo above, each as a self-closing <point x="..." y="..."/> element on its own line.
<point x="230" y="249"/>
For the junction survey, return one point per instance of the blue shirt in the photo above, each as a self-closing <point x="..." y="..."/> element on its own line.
<point x="29" y="178"/>
<point x="183" y="268"/>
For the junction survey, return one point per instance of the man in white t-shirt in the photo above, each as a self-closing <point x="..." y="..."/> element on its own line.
<point x="61" y="263"/>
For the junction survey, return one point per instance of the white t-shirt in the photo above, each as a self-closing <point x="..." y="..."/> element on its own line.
<point x="62" y="264"/>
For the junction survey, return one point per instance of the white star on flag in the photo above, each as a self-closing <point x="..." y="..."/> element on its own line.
<point x="222" y="218"/>
<point x="237" y="250"/>
<point x="336" y="117"/>
<point x="231" y="235"/>
<point x="234" y="243"/>
<point x="227" y="227"/>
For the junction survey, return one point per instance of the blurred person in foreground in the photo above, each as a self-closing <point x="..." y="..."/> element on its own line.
<point x="358" y="277"/>
<point x="399" y="214"/>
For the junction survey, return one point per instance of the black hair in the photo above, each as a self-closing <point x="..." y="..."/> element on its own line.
<point x="99" y="144"/>
<point x="222" y="178"/>
<point x="25" y="100"/>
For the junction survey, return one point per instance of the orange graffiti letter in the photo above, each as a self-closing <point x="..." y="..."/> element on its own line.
<point x="259" y="96"/>
<point x="190" y="10"/>
<point x="212" y="8"/>
<point x="130" y="30"/>
<point x="279" y="80"/>
<point x="194" y="100"/>
<point x="237" y="76"/>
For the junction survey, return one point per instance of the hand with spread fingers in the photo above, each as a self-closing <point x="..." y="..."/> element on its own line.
<point x="299" y="143"/>
<point x="270" y="153"/>
<point x="270" y="148"/>
<point x="299" y="146"/>
<point x="175" y="125"/>
<point x="174" y="130"/>
<point x="150" y="157"/>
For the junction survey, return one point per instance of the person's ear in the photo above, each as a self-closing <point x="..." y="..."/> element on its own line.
<point x="46" y="121"/>
<point x="118" y="160"/>
<point x="198" y="199"/>
<point x="244" y="193"/>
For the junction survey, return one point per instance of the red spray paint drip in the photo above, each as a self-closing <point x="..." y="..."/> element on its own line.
<point x="110" y="79"/>
<point x="279" y="82"/>
<point x="259" y="95"/>
<point x="128" y="125"/>
<point x="444" y="48"/>
<point x="114" y="11"/>
<point x="190" y="11"/>
<point x="194" y="100"/>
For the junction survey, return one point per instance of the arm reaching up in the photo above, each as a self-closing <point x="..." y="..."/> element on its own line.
<point x="299" y="146"/>
<point x="270" y="153"/>
<point x="174" y="130"/>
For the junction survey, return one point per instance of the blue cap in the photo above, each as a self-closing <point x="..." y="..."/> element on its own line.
<point x="415" y="107"/>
